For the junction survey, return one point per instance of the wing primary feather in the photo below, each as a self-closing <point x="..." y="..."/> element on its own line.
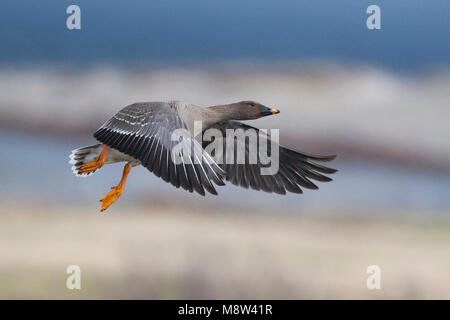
<point x="301" y="179"/>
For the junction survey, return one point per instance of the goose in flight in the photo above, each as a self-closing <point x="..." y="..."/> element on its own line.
<point x="142" y="134"/>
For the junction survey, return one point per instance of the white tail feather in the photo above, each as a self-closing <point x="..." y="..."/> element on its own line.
<point x="84" y="155"/>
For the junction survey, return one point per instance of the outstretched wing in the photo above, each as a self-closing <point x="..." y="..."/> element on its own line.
<point x="296" y="169"/>
<point x="144" y="131"/>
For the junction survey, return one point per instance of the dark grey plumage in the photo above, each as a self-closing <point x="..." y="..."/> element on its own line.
<point x="142" y="131"/>
<point x="295" y="171"/>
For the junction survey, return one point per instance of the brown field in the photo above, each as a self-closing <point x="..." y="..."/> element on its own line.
<point x="173" y="253"/>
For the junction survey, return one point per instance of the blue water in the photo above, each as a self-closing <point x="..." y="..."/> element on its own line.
<point x="414" y="34"/>
<point x="36" y="168"/>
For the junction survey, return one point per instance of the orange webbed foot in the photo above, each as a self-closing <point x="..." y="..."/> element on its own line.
<point x="91" y="166"/>
<point x="97" y="163"/>
<point x="116" y="191"/>
<point x="111" y="197"/>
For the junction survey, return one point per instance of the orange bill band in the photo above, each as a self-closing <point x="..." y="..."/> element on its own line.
<point x="274" y="111"/>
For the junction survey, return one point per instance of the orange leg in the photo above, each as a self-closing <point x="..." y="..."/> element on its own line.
<point x="116" y="191"/>
<point x="97" y="163"/>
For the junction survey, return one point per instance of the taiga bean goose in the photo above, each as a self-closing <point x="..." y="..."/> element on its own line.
<point x="141" y="134"/>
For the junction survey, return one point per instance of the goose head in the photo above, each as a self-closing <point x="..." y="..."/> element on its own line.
<point x="249" y="110"/>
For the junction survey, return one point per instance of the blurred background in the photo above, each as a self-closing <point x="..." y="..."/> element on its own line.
<point x="379" y="99"/>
